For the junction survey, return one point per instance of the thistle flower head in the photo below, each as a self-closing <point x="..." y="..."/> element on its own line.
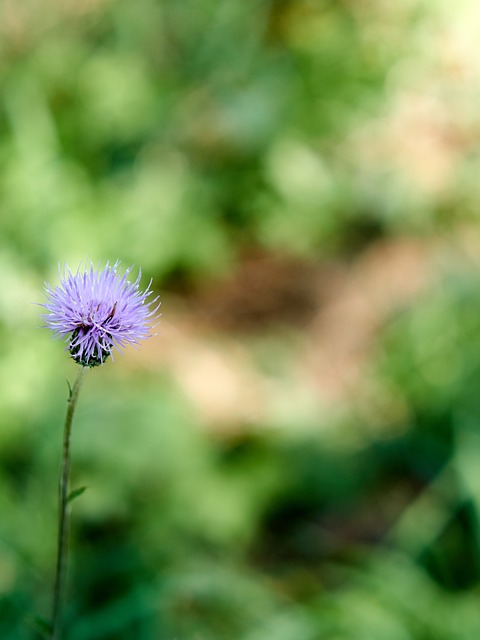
<point x="97" y="311"/>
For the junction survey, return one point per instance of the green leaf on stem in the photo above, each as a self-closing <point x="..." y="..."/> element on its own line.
<point x="75" y="494"/>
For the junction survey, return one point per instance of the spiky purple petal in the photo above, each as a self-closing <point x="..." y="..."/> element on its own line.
<point x="98" y="310"/>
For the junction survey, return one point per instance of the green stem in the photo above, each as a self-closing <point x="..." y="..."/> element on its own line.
<point x="62" y="548"/>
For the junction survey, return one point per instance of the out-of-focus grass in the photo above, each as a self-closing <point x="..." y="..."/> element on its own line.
<point x="295" y="456"/>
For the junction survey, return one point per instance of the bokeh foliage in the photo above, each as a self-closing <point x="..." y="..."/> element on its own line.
<point x="182" y="136"/>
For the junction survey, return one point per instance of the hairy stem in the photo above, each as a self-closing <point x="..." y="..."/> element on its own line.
<point x="63" y="495"/>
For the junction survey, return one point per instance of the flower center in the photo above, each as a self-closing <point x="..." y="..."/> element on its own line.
<point x="80" y="343"/>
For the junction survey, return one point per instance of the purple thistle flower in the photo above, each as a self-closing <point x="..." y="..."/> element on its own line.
<point x="98" y="310"/>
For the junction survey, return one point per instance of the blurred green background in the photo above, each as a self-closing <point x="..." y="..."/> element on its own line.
<point x="296" y="454"/>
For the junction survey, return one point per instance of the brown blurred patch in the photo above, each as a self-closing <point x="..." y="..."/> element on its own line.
<point x="386" y="277"/>
<point x="265" y="290"/>
<point x="335" y="310"/>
